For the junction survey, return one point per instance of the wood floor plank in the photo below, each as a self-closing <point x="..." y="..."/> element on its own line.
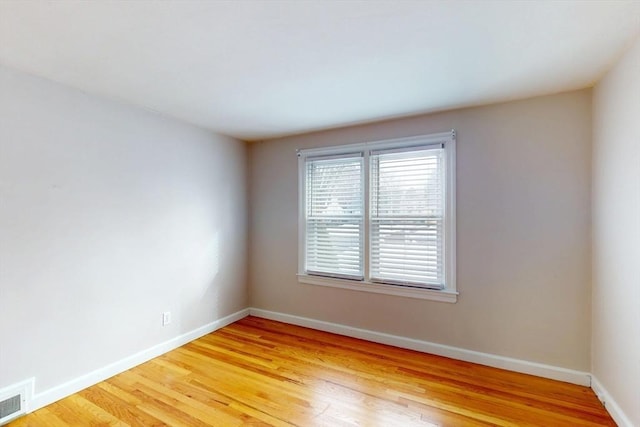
<point x="119" y="408"/>
<point x="41" y="418"/>
<point x="258" y="372"/>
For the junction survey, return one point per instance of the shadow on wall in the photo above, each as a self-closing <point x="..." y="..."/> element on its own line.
<point x="202" y="285"/>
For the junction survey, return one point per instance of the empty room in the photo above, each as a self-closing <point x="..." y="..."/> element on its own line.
<point x="319" y="213"/>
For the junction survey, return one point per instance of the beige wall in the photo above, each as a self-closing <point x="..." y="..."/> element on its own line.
<point x="109" y="215"/>
<point x="523" y="202"/>
<point x="616" y="233"/>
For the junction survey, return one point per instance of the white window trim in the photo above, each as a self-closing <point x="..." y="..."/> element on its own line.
<point x="449" y="293"/>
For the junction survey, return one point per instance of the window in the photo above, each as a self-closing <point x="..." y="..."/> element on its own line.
<point x="335" y="216"/>
<point x="380" y="216"/>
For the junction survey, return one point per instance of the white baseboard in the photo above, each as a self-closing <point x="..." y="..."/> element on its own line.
<point x="51" y="395"/>
<point x="517" y="365"/>
<point x="63" y="390"/>
<point x="611" y="405"/>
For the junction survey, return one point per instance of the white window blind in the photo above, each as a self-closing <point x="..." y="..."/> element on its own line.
<point x="334" y="215"/>
<point x="407" y="216"/>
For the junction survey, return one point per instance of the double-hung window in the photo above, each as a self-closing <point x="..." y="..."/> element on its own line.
<point x="380" y="216"/>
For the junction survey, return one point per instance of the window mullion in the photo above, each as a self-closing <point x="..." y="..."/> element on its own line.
<point x="367" y="215"/>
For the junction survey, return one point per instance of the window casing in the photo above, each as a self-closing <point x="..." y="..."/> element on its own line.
<point x="380" y="216"/>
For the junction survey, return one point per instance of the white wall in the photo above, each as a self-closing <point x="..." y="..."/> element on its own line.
<point x="109" y="215"/>
<point x="523" y="202"/>
<point x="616" y="233"/>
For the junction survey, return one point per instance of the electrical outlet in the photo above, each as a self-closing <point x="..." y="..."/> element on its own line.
<point x="166" y="318"/>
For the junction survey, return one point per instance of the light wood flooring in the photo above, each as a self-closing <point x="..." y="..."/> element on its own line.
<point x="260" y="372"/>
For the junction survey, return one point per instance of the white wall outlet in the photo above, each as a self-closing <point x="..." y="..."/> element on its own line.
<point x="166" y="318"/>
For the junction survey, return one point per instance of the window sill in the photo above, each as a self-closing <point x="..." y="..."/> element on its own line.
<point x="428" y="294"/>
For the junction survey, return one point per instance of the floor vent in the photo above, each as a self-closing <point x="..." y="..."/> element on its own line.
<point x="14" y="400"/>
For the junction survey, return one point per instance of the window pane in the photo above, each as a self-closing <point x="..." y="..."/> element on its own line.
<point x="334" y="217"/>
<point x="407" y="217"/>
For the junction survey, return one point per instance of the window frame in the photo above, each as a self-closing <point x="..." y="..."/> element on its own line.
<point x="449" y="292"/>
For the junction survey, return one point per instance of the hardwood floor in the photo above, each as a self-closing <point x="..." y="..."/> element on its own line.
<point x="260" y="372"/>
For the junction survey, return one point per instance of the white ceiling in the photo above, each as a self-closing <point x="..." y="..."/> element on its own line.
<point x="259" y="69"/>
